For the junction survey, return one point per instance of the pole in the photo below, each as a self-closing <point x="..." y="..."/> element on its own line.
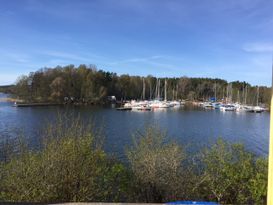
<point x="165" y="91"/>
<point x="257" y="96"/>
<point x="144" y="91"/>
<point x="270" y="157"/>
<point x="215" y="92"/>
<point x="246" y="95"/>
<point x="150" y="84"/>
<point x="176" y="92"/>
<point x="158" y="89"/>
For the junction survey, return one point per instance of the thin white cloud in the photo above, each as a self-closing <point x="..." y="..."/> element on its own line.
<point x="70" y="56"/>
<point x="13" y="56"/>
<point x="136" y="60"/>
<point x="161" y="63"/>
<point x="258" y="47"/>
<point x="59" y="54"/>
<point x="157" y="65"/>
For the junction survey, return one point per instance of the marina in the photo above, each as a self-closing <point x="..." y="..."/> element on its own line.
<point x="226" y="103"/>
<point x="35" y="104"/>
<point x="150" y="102"/>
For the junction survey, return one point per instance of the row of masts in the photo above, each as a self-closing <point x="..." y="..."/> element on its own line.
<point x="241" y="98"/>
<point x="157" y="92"/>
<point x="229" y="94"/>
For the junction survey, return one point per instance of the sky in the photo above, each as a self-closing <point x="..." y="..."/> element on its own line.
<point x="232" y="39"/>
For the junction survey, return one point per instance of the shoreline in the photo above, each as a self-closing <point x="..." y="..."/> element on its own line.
<point x="10" y="100"/>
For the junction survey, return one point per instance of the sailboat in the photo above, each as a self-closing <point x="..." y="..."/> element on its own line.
<point x="244" y="107"/>
<point x="257" y="108"/>
<point x="229" y="106"/>
<point x="141" y="105"/>
<point x="175" y="103"/>
<point x="157" y="103"/>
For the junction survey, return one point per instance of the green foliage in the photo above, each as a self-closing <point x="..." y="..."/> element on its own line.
<point x="233" y="175"/>
<point x="157" y="168"/>
<point x="258" y="184"/>
<point x="72" y="166"/>
<point x="7" y="89"/>
<point x="86" y="84"/>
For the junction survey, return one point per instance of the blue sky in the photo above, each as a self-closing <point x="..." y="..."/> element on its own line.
<point x="230" y="39"/>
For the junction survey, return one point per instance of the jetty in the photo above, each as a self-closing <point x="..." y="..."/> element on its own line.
<point x="124" y="109"/>
<point x="36" y="104"/>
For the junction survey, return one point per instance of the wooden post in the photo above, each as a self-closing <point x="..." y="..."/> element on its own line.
<point x="270" y="158"/>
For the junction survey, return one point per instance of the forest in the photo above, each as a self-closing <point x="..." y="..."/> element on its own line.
<point x="6" y="89"/>
<point x="87" y="84"/>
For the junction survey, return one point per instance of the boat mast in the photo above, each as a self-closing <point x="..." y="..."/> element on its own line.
<point x="215" y="91"/>
<point x="143" y="91"/>
<point x="257" y="96"/>
<point x="165" y="91"/>
<point x="173" y="93"/>
<point x="176" y="92"/>
<point x="150" y="85"/>
<point x="238" y="96"/>
<point x="223" y="93"/>
<point x="243" y="95"/>
<point x="227" y="95"/>
<point x="231" y="92"/>
<point x="246" y="95"/>
<point x="158" y="90"/>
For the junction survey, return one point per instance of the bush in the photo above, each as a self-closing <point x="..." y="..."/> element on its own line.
<point x="233" y="175"/>
<point x="157" y="168"/>
<point x="71" y="166"/>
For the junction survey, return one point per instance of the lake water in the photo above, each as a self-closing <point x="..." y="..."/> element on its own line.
<point x="192" y="127"/>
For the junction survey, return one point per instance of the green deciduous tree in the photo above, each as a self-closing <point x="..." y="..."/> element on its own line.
<point x="230" y="171"/>
<point x="157" y="168"/>
<point x="71" y="166"/>
<point x="89" y="85"/>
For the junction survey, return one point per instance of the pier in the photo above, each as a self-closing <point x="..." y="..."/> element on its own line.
<point x="36" y="104"/>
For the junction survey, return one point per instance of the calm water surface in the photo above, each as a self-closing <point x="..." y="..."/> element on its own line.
<point x="192" y="127"/>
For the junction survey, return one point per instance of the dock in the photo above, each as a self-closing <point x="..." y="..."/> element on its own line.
<point x="36" y="104"/>
<point x="124" y="109"/>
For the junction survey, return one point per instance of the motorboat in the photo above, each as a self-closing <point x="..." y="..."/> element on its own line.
<point x="228" y="107"/>
<point x="208" y="105"/>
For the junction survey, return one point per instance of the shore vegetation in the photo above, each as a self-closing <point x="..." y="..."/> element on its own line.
<point x="89" y="85"/>
<point x="71" y="165"/>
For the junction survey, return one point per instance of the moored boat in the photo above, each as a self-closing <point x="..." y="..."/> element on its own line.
<point x="144" y="108"/>
<point x="228" y="107"/>
<point x="258" y="109"/>
<point x="124" y="108"/>
<point x="175" y="103"/>
<point x="208" y="105"/>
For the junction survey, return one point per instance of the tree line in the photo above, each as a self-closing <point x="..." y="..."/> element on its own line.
<point x="87" y="84"/>
<point x="6" y="89"/>
<point x="72" y="166"/>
